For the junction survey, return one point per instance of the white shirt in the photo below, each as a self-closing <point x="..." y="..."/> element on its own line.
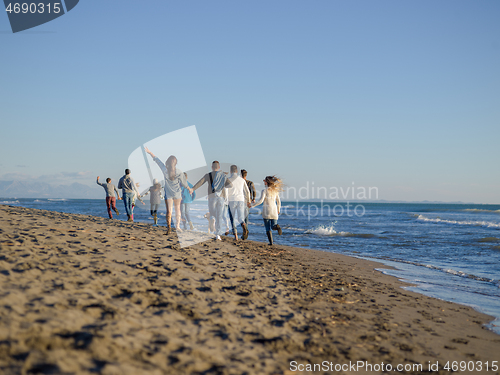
<point x="239" y="191"/>
<point x="272" y="204"/>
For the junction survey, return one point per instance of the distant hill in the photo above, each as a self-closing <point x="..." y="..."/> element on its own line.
<point x="37" y="189"/>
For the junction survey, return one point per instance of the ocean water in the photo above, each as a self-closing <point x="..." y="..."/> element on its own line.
<point x="448" y="251"/>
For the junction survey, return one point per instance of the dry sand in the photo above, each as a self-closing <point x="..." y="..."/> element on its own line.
<point x="86" y="295"/>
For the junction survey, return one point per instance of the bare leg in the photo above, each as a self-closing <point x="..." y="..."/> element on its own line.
<point x="169" y="202"/>
<point x="177" y="205"/>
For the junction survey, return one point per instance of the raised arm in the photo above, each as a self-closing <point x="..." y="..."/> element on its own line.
<point x="99" y="183"/>
<point x="157" y="160"/>
<point x="149" y="152"/>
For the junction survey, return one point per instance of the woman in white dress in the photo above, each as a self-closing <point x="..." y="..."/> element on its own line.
<point x="272" y="205"/>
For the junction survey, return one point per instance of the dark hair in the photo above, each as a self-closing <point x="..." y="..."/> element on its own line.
<point x="127" y="171"/>
<point x="234" y="168"/>
<point x="108" y="179"/>
<point x="243" y="173"/>
<point x="215" y="162"/>
<point x="170" y="164"/>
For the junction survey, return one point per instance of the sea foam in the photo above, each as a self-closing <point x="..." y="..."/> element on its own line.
<point x="489" y="224"/>
<point x="9" y="202"/>
<point x="329" y="230"/>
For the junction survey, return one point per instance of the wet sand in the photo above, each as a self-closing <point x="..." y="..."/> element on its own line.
<point x="87" y="295"/>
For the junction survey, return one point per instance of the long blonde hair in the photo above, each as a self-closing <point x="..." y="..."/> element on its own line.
<point x="274" y="184"/>
<point x="170" y="164"/>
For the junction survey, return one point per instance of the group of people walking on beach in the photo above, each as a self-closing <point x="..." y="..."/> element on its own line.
<point x="233" y="195"/>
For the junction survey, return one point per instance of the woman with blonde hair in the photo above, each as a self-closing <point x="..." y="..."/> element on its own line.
<point x="272" y="205"/>
<point x="174" y="180"/>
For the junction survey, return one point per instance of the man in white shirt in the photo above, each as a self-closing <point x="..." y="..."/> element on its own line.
<point x="238" y="196"/>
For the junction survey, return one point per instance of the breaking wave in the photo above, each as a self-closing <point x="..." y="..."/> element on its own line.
<point x="481" y="210"/>
<point x="447" y="270"/>
<point x="9" y="202"/>
<point x="324" y="230"/>
<point x="489" y="224"/>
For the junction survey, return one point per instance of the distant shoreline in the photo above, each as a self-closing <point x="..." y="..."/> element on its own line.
<point x="381" y="201"/>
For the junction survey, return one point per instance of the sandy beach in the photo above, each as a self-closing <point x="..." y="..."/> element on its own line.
<point x="86" y="295"/>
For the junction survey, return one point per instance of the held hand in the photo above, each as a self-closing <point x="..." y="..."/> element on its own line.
<point x="249" y="205"/>
<point x="119" y="199"/>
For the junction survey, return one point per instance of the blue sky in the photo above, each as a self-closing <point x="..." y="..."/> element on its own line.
<point x="399" y="95"/>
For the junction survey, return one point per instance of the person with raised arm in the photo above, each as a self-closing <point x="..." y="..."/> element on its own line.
<point x="174" y="181"/>
<point x="110" y="195"/>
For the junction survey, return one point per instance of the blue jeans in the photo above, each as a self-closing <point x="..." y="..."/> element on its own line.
<point x="216" y="208"/>
<point x="127" y="201"/>
<point x="269" y="224"/>
<point x="236" y="214"/>
<point x="226" y="215"/>
<point x="185" y="212"/>
<point x="247" y="213"/>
